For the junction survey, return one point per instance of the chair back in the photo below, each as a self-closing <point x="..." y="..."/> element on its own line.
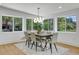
<point x="26" y="35"/>
<point x="54" y="37"/>
<point x="33" y="37"/>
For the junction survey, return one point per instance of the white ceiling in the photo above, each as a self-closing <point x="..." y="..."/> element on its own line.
<point x="45" y="8"/>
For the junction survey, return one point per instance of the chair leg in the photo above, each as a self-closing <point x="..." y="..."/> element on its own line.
<point x="55" y="47"/>
<point x="42" y="47"/>
<point x="32" y="44"/>
<point x="36" y="46"/>
<point x="51" y="47"/>
<point x="26" y="42"/>
<point x="45" y="44"/>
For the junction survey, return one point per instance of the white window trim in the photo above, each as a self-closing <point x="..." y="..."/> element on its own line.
<point x="65" y="27"/>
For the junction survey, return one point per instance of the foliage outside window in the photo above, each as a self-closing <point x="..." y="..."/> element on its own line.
<point x="29" y="24"/>
<point x="7" y="24"/>
<point x="67" y="24"/>
<point x="17" y="24"/>
<point x="71" y="23"/>
<point x="61" y="23"/>
<point x="48" y="24"/>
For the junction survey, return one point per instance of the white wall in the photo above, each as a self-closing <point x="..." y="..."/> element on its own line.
<point x="69" y="37"/>
<point x="7" y="37"/>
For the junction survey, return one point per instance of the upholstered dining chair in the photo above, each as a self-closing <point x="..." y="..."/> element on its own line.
<point x="36" y="41"/>
<point x="27" y="37"/>
<point x="33" y="39"/>
<point x="52" y="40"/>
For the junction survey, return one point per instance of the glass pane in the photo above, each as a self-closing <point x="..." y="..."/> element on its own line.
<point x="7" y="24"/>
<point x="50" y="24"/>
<point x="61" y="23"/>
<point x="17" y="24"/>
<point x="28" y="24"/>
<point x="71" y="24"/>
<point x="35" y="26"/>
<point x="46" y="24"/>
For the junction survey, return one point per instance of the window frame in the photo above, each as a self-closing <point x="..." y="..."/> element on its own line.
<point x="48" y="24"/>
<point x="12" y="23"/>
<point x="66" y="25"/>
<point x="31" y="24"/>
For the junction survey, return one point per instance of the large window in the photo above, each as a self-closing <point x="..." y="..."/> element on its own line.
<point x="61" y="23"/>
<point x="48" y="24"/>
<point x="17" y="24"/>
<point x="29" y="24"/>
<point x="7" y="24"/>
<point x="71" y="23"/>
<point x="67" y="24"/>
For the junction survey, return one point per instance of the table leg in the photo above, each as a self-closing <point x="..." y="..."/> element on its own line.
<point x="51" y="47"/>
<point x="45" y="44"/>
<point x="36" y="46"/>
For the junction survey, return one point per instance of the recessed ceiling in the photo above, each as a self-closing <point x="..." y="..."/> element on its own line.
<point x="45" y="8"/>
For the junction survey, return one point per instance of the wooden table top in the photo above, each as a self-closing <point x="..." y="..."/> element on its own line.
<point x="44" y="35"/>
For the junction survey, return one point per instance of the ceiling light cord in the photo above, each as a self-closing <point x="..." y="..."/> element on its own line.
<point x="38" y="12"/>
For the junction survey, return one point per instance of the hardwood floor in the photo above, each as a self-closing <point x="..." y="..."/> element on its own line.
<point x="72" y="49"/>
<point x="11" y="49"/>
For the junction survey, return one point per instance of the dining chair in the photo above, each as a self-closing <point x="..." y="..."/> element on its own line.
<point x="53" y="41"/>
<point x="39" y="42"/>
<point x="27" y="37"/>
<point x="33" y="39"/>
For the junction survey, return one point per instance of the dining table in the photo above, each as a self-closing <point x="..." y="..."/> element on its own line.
<point x="44" y="39"/>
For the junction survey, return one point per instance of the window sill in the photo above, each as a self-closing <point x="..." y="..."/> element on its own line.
<point x="66" y="32"/>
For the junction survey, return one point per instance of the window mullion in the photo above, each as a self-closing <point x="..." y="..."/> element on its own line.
<point x="65" y="24"/>
<point x="13" y="23"/>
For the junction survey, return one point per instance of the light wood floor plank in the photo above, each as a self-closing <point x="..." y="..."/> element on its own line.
<point x="72" y="49"/>
<point x="10" y="49"/>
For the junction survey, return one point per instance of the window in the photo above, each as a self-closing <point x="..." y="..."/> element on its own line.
<point x="17" y="24"/>
<point x="61" y="23"/>
<point x="48" y="24"/>
<point x="67" y="24"/>
<point x="7" y="24"/>
<point x="29" y="24"/>
<point x="71" y="23"/>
